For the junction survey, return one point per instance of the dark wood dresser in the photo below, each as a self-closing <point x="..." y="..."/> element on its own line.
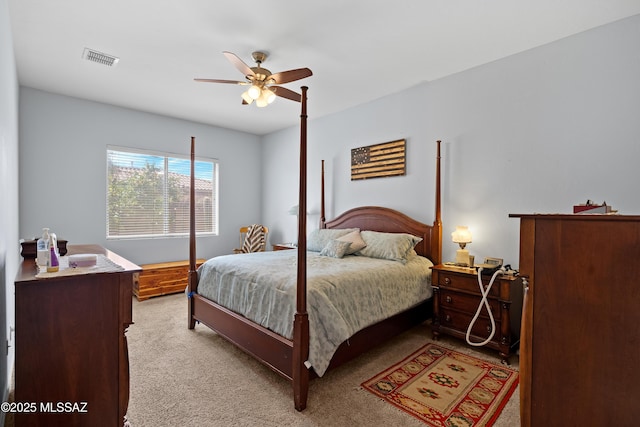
<point x="72" y="365"/>
<point x="457" y="297"/>
<point x="580" y="342"/>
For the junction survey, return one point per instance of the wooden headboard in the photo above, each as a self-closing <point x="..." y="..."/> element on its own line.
<point x="386" y="220"/>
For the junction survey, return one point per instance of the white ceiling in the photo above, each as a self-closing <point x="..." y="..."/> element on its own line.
<point x="358" y="50"/>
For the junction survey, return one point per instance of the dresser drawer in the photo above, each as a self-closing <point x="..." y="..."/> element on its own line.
<point x="460" y="322"/>
<point x="467" y="303"/>
<point x="467" y="283"/>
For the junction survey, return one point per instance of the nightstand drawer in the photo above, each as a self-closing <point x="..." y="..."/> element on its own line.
<point x="466" y="282"/>
<point x="467" y="303"/>
<point x="460" y="322"/>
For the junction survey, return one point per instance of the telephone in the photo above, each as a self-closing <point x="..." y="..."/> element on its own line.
<point x="490" y="265"/>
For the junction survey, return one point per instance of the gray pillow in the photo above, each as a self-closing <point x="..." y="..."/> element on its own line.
<point x="391" y="246"/>
<point x="318" y="239"/>
<point x="335" y="249"/>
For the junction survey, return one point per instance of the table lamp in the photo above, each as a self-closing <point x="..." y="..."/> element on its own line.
<point x="462" y="236"/>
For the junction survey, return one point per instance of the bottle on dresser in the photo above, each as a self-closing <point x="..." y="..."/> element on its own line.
<point x="53" y="263"/>
<point x="42" y="247"/>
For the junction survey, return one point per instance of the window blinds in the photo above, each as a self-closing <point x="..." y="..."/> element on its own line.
<point x="148" y="195"/>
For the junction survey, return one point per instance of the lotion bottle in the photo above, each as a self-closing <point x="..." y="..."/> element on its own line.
<point x="53" y="265"/>
<point x="42" y="247"/>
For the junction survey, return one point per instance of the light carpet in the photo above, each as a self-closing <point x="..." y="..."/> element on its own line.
<point x="182" y="377"/>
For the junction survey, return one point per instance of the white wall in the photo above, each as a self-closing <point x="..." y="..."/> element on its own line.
<point x="9" y="247"/>
<point x="535" y="132"/>
<point x="63" y="144"/>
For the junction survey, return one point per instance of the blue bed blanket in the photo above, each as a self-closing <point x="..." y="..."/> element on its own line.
<point x="344" y="295"/>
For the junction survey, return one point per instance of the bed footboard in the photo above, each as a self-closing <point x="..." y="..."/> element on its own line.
<point x="268" y="347"/>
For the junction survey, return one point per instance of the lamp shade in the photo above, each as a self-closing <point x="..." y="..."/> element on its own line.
<point x="254" y="92"/>
<point x="269" y="95"/>
<point x="294" y="210"/>
<point x="245" y="96"/>
<point x="461" y="235"/>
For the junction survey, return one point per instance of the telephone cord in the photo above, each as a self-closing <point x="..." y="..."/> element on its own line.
<point x="484" y="291"/>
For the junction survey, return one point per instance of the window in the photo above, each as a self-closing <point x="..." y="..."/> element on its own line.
<point x="148" y="194"/>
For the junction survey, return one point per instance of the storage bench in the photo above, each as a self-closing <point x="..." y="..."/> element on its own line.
<point x="162" y="279"/>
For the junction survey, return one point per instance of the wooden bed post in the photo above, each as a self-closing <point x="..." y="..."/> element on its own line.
<point x="323" y="219"/>
<point x="300" y="371"/>
<point x="192" y="285"/>
<point x="436" y="244"/>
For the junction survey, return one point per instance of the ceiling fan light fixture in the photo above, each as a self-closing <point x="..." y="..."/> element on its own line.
<point x="254" y="92"/>
<point x="246" y="97"/>
<point x="262" y="102"/>
<point x="263" y="85"/>
<point x="269" y="95"/>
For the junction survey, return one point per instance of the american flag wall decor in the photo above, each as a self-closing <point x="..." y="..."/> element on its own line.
<point x="379" y="160"/>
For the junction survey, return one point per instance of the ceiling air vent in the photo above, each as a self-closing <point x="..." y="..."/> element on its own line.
<point x="99" y="57"/>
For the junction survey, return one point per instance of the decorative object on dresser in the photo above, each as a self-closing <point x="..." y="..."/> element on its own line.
<point x="162" y="279"/>
<point x="70" y="342"/>
<point x="457" y="297"/>
<point x="580" y="348"/>
<point x="28" y="247"/>
<point x="443" y="387"/>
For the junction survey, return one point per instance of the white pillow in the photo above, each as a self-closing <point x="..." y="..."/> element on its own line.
<point x="356" y="241"/>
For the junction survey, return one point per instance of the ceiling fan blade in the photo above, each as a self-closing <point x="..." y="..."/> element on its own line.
<point x="286" y="93"/>
<point x="290" y="76"/>
<point x="235" y="82"/>
<point x="239" y="64"/>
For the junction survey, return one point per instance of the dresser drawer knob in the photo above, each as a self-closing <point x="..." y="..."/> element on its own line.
<point x="447" y="318"/>
<point x="447" y="281"/>
<point x="448" y="299"/>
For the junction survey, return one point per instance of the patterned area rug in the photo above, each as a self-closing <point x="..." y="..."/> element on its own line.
<point x="445" y="388"/>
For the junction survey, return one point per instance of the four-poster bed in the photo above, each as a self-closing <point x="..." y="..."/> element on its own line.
<point x="290" y="356"/>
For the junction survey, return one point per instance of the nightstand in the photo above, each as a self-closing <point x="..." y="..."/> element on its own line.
<point x="284" y="246"/>
<point x="455" y="301"/>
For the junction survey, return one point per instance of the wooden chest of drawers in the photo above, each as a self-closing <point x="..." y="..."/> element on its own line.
<point x="580" y="335"/>
<point x="457" y="297"/>
<point x="72" y="362"/>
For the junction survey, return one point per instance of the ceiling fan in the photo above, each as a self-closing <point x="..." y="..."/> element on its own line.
<point x="264" y="86"/>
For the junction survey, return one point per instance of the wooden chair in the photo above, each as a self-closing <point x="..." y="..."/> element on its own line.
<point x="253" y="238"/>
